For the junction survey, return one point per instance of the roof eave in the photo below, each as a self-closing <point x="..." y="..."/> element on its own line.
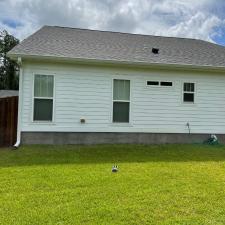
<point x="14" y="56"/>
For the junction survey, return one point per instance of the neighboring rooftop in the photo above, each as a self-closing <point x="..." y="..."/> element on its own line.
<point x="86" y="44"/>
<point x="8" y="93"/>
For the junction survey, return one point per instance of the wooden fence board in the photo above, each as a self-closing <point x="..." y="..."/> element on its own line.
<point x="8" y="120"/>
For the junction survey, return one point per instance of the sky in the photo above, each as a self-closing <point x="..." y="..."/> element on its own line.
<point x="201" y="19"/>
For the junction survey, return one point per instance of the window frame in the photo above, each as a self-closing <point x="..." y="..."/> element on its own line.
<point x="189" y="92"/>
<point x="50" y="98"/>
<point x="127" y="101"/>
<point x="159" y="84"/>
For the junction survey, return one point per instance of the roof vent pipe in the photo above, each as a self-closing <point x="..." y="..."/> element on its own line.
<point x="155" y="50"/>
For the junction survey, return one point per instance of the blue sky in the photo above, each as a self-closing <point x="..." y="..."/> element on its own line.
<point x="203" y="19"/>
<point x="220" y="37"/>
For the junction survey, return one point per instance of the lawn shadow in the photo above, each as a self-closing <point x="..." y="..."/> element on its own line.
<point x="97" y="154"/>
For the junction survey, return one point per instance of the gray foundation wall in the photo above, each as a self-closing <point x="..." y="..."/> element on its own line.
<point x="89" y="138"/>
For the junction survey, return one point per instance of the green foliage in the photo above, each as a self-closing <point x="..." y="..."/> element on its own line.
<point x="8" y="68"/>
<point x="66" y="185"/>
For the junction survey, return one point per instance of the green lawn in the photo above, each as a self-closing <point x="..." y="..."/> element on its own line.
<point x="166" y="184"/>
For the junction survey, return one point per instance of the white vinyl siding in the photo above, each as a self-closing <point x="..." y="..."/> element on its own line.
<point x="86" y="92"/>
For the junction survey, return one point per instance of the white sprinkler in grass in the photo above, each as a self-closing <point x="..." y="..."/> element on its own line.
<point x="115" y="169"/>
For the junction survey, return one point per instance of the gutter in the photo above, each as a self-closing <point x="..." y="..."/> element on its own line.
<point x="93" y="61"/>
<point x="20" y="102"/>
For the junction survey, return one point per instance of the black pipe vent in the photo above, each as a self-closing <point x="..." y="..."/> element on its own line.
<point x="155" y="50"/>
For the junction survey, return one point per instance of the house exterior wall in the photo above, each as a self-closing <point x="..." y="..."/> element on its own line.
<point x="86" y="92"/>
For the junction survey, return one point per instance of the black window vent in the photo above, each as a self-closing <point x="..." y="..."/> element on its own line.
<point x="155" y="50"/>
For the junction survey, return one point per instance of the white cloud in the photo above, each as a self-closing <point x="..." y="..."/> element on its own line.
<point x="193" y="18"/>
<point x="198" y="26"/>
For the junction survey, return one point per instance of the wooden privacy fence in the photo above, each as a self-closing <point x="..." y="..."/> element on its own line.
<point x="8" y="120"/>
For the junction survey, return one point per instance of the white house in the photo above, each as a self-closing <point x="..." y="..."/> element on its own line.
<point x="82" y="86"/>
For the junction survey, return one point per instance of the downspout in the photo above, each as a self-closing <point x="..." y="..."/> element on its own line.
<point x="20" y="102"/>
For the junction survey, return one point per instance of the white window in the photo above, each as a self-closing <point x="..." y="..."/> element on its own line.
<point x="159" y="83"/>
<point x="189" y="92"/>
<point x="121" y="101"/>
<point x="43" y="97"/>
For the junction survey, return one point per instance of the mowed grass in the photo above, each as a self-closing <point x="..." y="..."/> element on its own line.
<point x="165" y="184"/>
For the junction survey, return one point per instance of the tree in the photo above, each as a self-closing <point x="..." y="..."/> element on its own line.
<point x="9" y="78"/>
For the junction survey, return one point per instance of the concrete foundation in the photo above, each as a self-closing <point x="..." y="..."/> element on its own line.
<point x="89" y="138"/>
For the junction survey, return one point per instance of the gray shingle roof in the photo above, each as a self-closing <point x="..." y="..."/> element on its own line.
<point x="103" y="45"/>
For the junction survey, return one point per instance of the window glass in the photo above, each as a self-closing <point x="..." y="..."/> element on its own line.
<point x="121" y="112"/>
<point x="153" y="83"/>
<point x="43" y="109"/>
<point x="188" y="97"/>
<point x="166" y="83"/>
<point x="43" y="86"/>
<point x="189" y="87"/>
<point x="121" y="90"/>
